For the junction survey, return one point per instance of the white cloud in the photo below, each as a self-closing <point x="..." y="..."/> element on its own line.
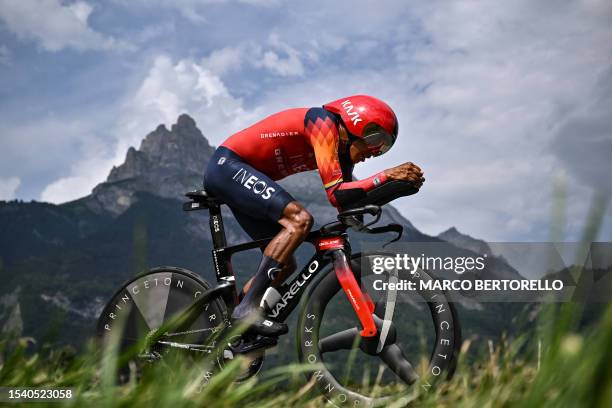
<point x="500" y="83"/>
<point x="174" y="87"/>
<point x="54" y="25"/>
<point x="46" y="144"/>
<point x="86" y="174"/>
<point x="8" y="187"/>
<point x="273" y="59"/>
<point x="91" y="168"/>
<point x="195" y="10"/>
<point x="168" y="89"/>
<point x="225" y="60"/>
<point x="282" y="66"/>
<point x="274" y="56"/>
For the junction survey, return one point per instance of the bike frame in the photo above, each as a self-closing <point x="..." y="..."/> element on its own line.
<point x="332" y="247"/>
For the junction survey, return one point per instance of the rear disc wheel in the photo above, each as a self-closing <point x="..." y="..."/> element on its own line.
<point x="145" y="303"/>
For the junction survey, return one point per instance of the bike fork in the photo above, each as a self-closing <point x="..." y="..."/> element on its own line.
<point x="360" y="301"/>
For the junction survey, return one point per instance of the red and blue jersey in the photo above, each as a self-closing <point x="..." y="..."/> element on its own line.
<point x="297" y="140"/>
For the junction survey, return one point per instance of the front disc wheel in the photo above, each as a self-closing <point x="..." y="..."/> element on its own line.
<point x="420" y="343"/>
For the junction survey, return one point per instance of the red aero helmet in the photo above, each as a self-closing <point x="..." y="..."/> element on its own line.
<point x="368" y="118"/>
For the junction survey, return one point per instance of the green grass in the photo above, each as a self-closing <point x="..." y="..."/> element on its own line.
<point x="571" y="370"/>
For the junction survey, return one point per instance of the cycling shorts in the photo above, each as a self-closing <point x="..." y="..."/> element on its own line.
<point x="255" y="199"/>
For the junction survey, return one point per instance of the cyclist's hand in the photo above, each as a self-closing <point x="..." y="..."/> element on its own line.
<point x="406" y="172"/>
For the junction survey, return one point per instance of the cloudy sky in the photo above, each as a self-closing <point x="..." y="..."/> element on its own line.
<point x="498" y="102"/>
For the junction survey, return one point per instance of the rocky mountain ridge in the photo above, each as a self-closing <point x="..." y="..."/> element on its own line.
<point x="465" y="241"/>
<point x="168" y="163"/>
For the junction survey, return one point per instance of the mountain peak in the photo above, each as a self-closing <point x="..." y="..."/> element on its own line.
<point x="184" y="121"/>
<point x="168" y="163"/>
<point x="451" y="231"/>
<point x="455" y="237"/>
<point x="181" y="150"/>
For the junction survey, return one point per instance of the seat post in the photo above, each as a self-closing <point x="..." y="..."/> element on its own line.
<point x="216" y="226"/>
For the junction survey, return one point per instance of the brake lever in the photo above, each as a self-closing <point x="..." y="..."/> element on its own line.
<point x="358" y="225"/>
<point x="354" y="217"/>
<point x="375" y="220"/>
<point x="397" y="228"/>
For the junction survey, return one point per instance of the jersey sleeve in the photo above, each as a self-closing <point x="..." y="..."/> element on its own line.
<point x="321" y="130"/>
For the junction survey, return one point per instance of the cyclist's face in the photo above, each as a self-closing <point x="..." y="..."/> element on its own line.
<point x="359" y="151"/>
<point x="344" y="137"/>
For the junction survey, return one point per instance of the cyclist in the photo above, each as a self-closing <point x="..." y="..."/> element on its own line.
<point x="244" y="169"/>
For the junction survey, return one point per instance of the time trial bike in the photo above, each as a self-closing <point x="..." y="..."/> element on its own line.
<point x="173" y="309"/>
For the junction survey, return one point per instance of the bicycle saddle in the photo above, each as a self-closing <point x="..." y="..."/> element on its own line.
<point x="203" y="198"/>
